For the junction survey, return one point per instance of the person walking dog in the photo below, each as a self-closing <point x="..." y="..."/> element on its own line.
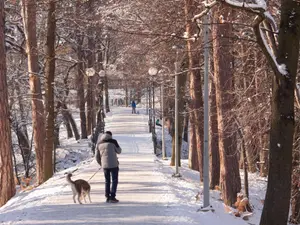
<point x="106" y="156"/>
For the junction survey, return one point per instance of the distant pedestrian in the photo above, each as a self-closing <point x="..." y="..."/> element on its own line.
<point x="158" y="123"/>
<point x="106" y="156"/>
<point x="133" y="106"/>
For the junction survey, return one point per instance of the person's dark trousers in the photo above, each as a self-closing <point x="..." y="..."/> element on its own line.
<point x="111" y="175"/>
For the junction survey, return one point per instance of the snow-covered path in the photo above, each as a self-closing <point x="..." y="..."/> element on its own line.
<point x="147" y="192"/>
<point x="142" y="192"/>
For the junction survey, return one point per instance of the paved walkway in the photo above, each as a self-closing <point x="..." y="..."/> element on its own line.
<point x="143" y="191"/>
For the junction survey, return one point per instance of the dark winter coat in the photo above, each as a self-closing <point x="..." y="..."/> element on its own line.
<point x="133" y="105"/>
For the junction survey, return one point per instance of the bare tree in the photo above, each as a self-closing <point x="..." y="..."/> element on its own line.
<point x="230" y="181"/>
<point x="195" y="89"/>
<point x="29" y="21"/>
<point x="281" y="48"/>
<point x="7" y="184"/>
<point x="50" y="74"/>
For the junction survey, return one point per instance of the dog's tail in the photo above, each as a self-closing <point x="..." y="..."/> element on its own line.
<point x="68" y="177"/>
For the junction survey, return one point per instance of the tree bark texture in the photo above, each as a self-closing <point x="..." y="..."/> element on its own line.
<point x="90" y="86"/>
<point x="50" y="74"/>
<point x="106" y="94"/>
<point x="22" y="129"/>
<point x="277" y="201"/>
<point x="214" y="156"/>
<point x="230" y="181"/>
<point x="68" y="115"/>
<point x="80" y="87"/>
<point x="38" y="123"/>
<point x="181" y="85"/>
<point x="196" y="99"/>
<point x="7" y="184"/>
<point x="295" y="194"/>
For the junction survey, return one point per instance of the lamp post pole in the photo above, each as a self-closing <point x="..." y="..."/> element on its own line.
<point x="206" y="126"/>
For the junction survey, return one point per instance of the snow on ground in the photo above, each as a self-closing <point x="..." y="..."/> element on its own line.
<point x="147" y="191"/>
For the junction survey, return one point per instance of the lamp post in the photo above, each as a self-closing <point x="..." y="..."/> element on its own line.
<point x="152" y="72"/>
<point x="90" y="71"/>
<point x="206" y="111"/>
<point x="101" y="83"/>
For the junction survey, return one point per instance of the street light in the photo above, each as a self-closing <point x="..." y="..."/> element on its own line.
<point x="152" y="72"/>
<point x="90" y="72"/>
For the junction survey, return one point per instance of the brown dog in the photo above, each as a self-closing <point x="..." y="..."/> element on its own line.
<point x="80" y="187"/>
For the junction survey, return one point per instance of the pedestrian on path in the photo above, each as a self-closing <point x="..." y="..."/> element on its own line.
<point x="133" y="105"/>
<point x="158" y="123"/>
<point x="106" y="156"/>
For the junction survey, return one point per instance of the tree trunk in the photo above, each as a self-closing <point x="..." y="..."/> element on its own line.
<point x="7" y="184"/>
<point x="295" y="195"/>
<point x="214" y="156"/>
<point x="29" y="20"/>
<point x="181" y="86"/>
<point x="126" y="95"/>
<point x="186" y="127"/>
<point x="49" y="74"/>
<point x="230" y="180"/>
<point x="68" y="115"/>
<point x="196" y="100"/>
<point x="80" y="90"/>
<point x="23" y="145"/>
<point x="244" y="158"/>
<point x="90" y="86"/>
<point x="193" y="154"/>
<point x="68" y="125"/>
<point x="263" y="140"/>
<point x="106" y="94"/>
<point x="277" y="201"/>
<point x="23" y="141"/>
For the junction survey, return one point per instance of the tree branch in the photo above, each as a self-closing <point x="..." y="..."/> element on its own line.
<point x="263" y="20"/>
<point x="265" y="47"/>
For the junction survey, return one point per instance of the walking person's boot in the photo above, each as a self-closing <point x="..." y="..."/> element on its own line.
<point x="113" y="200"/>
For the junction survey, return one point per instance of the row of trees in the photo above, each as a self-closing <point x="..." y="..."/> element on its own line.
<point x="253" y="76"/>
<point x="55" y="59"/>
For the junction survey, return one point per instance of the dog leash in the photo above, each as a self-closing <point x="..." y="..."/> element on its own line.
<point x="95" y="173"/>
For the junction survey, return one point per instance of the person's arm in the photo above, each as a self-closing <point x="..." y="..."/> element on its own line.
<point x="115" y="142"/>
<point x="118" y="148"/>
<point x="98" y="156"/>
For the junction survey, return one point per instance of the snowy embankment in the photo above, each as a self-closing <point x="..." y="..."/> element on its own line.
<point x="147" y="192"/>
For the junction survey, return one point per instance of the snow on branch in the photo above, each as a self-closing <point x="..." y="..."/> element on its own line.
<point x="208" y="6"/>
<point x="259" y="5"/>
<point x="266" y="38"/>
<point x="263" y="43"/>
